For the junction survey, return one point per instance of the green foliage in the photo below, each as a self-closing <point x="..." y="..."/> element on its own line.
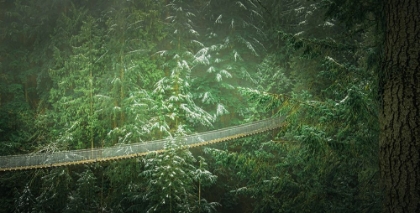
<point x="325" y="159"/>
<point x="172" y="178"/>
<point x="353" y="13"/>
<point x="80" y="74"/>
<point x="54" y="188"/>
<point x="124" y="100"/>
<point x="25" y="200"/>
<point x="85" y="198"/>
<point x="123" y="184"/>
<point x="74" y="89"/>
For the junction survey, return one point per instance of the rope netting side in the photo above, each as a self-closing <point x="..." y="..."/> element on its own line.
<point x="41" y="160"/>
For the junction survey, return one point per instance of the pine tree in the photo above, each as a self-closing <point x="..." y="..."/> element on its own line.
<point x="175" y="108"/>
<point x="85" y="198"/>
<point x="75" y="84"/>
<point x="131" y="70"/>
<point x="172" y="178"/>
<point x="396" y="25"/>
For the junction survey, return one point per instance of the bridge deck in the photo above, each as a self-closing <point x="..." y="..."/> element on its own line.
<point x="85" y="156"/>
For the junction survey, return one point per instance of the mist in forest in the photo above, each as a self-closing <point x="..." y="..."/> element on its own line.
<point x="90" y="74"/>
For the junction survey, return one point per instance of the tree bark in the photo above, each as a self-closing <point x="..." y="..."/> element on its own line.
<point x="400" y="112"/>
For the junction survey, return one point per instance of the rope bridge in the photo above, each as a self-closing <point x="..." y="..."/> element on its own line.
<point x="125" y="151"/>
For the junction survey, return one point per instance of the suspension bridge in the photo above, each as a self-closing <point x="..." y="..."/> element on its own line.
<point x="125" y="151"/>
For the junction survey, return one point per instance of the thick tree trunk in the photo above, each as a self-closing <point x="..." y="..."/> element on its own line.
<point x="400" y="115"/>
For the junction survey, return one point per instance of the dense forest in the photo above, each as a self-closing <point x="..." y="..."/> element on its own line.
<point x="82" y="74"/>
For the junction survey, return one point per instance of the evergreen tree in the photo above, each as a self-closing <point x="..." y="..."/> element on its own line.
<point x="83" y="74"/>
<point x="397" y="44"/>
<point x="131" y="70"/>
<point x="331" y="123"/>
<point x="23" y="51"/>
<point x="85" y="198"/>
<point x="75" y="86"/>
<point x="53" y="191"/>
<point x="231" y="48"/>
<point x="399" y="115"/>
<point x="175" y="109"/>
<point x="172" y="179"/>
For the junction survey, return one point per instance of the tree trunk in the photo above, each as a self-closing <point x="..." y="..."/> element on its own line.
<point x="400" y="112"/>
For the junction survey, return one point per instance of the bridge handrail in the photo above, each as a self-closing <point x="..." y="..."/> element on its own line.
<point x="66" y="157"/>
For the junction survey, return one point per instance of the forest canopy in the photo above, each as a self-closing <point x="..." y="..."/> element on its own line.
<point x="80" y="74"/>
